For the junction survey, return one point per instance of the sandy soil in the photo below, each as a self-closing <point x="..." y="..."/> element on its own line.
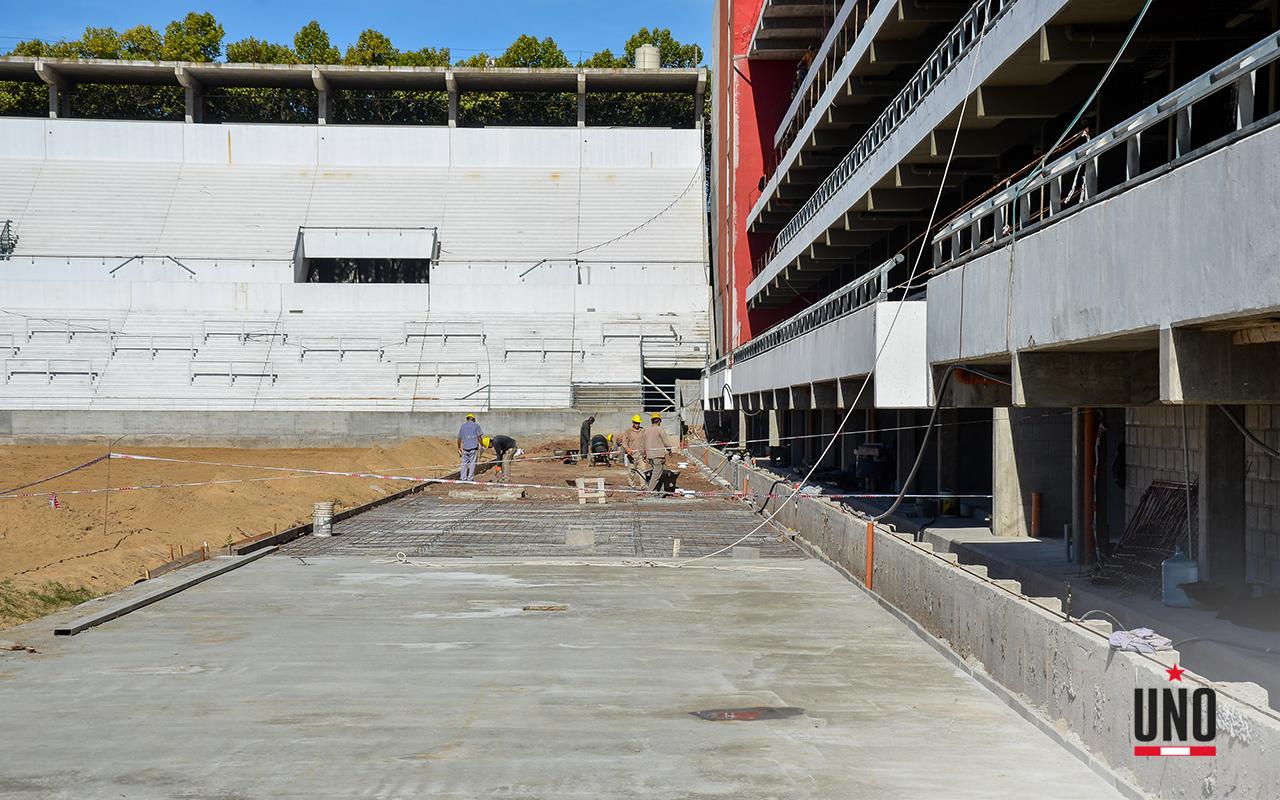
<point x="103" y="540"/>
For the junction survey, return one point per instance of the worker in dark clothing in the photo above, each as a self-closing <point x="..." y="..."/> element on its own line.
<point x="504" y="452"/>
<point x="584" y="439"/>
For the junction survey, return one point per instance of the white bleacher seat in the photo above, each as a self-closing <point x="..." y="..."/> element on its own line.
<point x="232" y="370"/>
<point x="49" y="368"/>
<point x="437" y="370"/>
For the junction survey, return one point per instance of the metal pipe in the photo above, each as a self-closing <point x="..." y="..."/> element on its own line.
<point x="1035" y="515"/>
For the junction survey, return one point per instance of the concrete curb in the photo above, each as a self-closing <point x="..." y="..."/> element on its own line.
<point x="171" y="588"/>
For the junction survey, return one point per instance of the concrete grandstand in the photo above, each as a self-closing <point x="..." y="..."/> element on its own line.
<point x="182" y="267"/>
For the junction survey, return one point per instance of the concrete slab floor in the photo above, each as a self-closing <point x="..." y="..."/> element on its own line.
<point x="342" y="677"/>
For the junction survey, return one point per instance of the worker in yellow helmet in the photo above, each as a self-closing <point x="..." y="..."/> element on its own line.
<point x="630" y="443"/>
<point x="504" y="452"/>
<point x="657" y="445"/>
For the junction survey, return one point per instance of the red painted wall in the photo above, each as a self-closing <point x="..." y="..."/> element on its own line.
<point x="752" y="96"/>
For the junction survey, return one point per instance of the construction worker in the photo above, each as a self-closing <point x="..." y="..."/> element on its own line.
<point x="657" y="446"/>
<point x="631" y="442"/>
<point x="504" y="452"/>
<point x="584" y="439"/>
<point x="469" y="436"/>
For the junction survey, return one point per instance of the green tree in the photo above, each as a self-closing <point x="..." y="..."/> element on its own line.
<point x="671" y="52"/>
<point x="100" y="43"/>
<point x="141" y="42"/>
<point x="527" y="51"/>
<point x="372" y="49"/>
<point x="196" y="37"/>
<point x="251" y="104"/>
<point x="256" y="51"/>
<point x="311" y="43"/>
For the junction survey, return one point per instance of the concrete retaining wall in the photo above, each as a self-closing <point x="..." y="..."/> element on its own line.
<point x="1061" y="674"/>
<point x="286" y="429"/>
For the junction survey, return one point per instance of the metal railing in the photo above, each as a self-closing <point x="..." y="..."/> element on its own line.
<point x="1072" y="181"/>
<point x="849" y="23"/>
<point x="958" y="43"/>
<point x="841" y="303"/>
<point x="8" y="240"/>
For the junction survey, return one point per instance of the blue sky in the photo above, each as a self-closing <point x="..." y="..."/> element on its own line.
<point x="463" y="25"/>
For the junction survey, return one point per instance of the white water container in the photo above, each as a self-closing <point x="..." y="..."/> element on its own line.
<point x="322" y="519"/>
<point x="1175" y="570"/>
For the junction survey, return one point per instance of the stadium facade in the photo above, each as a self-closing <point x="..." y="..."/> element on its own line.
<point x="929" y="199"/>
<point x="344" y="281"/>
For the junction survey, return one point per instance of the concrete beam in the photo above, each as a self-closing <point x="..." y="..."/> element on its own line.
<point x="1105" y="378"/>
<point x="193" y="91"/>
<point x="1058" y="46"/>
<point x="323" y="95"/>
<point x="850" y="115"/>
<point x="59" y="90"/>
<point x="967" y="391"/>
<point x="1198" y="366"/>
<point x="902" y="51"/>
<point x="1021" y="102"/>
<point x="582" y="99"/>
<point x="858" y="238"/>
<point x="824" y="394"/>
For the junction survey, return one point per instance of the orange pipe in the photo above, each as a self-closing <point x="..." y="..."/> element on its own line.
<point x="871" y="550"/>
<point x="1035" y="515"/>
<point x="1090" y="467"/>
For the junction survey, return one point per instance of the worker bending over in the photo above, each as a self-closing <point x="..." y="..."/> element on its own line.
<point x="631" y="443"/>
<point x="469" y="436"/>
<point x="504" y="452"/>
<point x="657" y="446"/>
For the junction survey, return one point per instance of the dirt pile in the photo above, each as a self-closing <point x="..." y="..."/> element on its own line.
<point x="102" y="540"/>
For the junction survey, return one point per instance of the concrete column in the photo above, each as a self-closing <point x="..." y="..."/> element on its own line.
<point x="699" y="98"/>
<point x="743" y="429"/>
<point x="1032" y="452"/>
<point x="797" y="430"/>
<point x="908" y="445"/>
<point x="59" y="91"/>
<point x="1077" y="486"/>
<point x="1221" y="524"/>
<point x="582" y="100"/>
<point x="451" y="85"/>
<point x="1008" y="515"/>
<point x="194" y="95"/>
<point x="949" y="455"/>
<point x="323" y="93"/>
<point x="775" y="428"/>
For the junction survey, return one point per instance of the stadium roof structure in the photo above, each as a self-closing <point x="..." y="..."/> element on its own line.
<point x="62" y="75"/>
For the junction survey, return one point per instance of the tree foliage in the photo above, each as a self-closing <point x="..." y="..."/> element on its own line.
<point x="199" y="37"/>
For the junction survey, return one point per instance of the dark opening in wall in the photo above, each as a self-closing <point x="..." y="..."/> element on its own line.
<point x="369" y="270"/>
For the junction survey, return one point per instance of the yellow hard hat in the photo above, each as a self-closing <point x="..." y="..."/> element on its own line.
<point x="470" y="415"/>
<point x="637" y="418"/>
<point x="655" y="415"/>
<point x="485" y="441"/>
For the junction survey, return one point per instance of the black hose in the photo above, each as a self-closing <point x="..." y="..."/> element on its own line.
<point x="933" y="419"/>
<point x="1248" y="434"/>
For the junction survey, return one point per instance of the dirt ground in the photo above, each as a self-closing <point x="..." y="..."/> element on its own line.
<point x="98" y="541"/>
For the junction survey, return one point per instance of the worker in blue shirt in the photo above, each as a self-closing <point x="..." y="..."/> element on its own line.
<point x="469" y="436"/>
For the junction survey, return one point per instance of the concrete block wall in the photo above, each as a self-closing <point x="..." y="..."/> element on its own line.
<point x="1262" y="497"/>
<point x="1154" y="451"/>
<point x="1061" y="675"/>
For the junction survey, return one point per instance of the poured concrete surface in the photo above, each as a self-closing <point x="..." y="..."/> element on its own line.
<point x="339" y="677"/>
